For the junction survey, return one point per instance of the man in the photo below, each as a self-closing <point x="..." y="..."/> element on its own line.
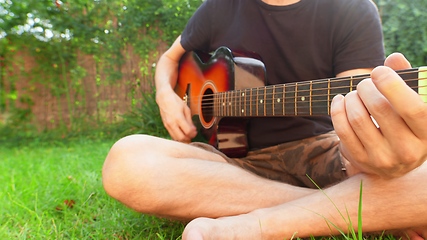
<point x="397" y="203"/>
<point x="297" y="40"/>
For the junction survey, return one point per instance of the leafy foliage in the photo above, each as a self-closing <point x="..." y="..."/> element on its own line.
<point x="145" y="118"/>
<point x="404" y="26"/>
<point x="55" y="32"/>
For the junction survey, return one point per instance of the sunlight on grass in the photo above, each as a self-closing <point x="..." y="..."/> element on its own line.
<point x="352" y="234"/>
<point x="54" y="191"/>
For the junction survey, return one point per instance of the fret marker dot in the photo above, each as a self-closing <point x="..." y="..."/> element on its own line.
<point x="278" y="100"/>
<point x="229" y="104"/>
<point x="303" y="99"/>
<point x="261" y="101"/>
<point x="223" y="104"/>
<point x="243" y="110"/>
<point x="243" y="94"/>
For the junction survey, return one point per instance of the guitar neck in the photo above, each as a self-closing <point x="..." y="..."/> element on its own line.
<point x="308" y="98"/>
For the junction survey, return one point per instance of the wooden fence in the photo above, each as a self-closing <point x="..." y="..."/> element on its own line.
<point x="96" y="100"/>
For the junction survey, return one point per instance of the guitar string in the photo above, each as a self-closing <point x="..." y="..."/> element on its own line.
<point x="316" y="82"/>
<point x="207" y="104"/>
<point x="291" y="104"/>
<point x="356" y="78"/>
<point x="303" y="108"/>
<point x="297" y="106"/>
<point x="288" y="95"/>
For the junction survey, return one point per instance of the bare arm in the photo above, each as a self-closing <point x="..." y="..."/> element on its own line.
<point x="175" y="114"/>
<point x="355" y="72"/>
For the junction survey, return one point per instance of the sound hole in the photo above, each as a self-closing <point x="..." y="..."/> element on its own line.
<point x="207" y="106"/>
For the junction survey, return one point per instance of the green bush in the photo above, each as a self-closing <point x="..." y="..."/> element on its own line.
<point x="404" y="26"/>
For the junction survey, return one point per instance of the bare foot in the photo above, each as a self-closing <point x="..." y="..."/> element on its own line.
<point x="235" y="227"/>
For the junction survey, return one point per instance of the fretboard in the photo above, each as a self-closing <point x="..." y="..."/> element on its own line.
<point x="308" y="98"/>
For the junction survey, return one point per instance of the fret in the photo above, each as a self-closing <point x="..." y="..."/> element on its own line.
<point x="249" y="101"/>
<point x="278" y="99"/>
<point x="269" y="103"/>
<point x="351" y="83"/>
<point x="220" y="106"/>
<point x="236" y="103"/>
<point x="265" y="101"/>
<point x="272" y="99"/>
<point x="335" y="88"/>
<point x="254" y="101"/>
<point x="260" y="101"/>
<point x="295" y="99"/>
<point x="339" y="86"/>
<point x="320" y="98"/>
<point x="283" y="99"/>
<point x="240" y="109"/>
<point x="224" y="104"/>
<point x="232" y="103"/>
<point x="311" y="96"/>
<point x="216" y="105"/>
<point x="303" y="99"/>
<point x="243" y="100"/>
<point x="289" y="90"/>
<point x="242" y="103"/>
<point x="227" y="104"/>
<point x="329" y="96"/>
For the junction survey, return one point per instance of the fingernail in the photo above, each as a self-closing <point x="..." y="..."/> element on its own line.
<point x="337" y="99"/>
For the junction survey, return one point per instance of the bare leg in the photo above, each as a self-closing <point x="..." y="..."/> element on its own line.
<point x="387" y="204"/>
<point x="168" y="178"/>
<point x="416" y="233"/>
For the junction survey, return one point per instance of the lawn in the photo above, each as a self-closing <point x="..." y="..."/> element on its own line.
<point x="53" y="190"/>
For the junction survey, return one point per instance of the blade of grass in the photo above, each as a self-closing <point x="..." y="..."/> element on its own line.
<point x="359" y="213"/>
<point x="352" y="233"/>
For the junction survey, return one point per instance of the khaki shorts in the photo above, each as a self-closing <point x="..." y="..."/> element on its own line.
<point x="294" y="162"/>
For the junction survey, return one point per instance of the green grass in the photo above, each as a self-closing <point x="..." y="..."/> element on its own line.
<point x="52" y="189"/>
<point x="39" y="181"/>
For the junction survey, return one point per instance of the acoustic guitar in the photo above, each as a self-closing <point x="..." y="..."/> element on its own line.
<point x="224" y="89"/>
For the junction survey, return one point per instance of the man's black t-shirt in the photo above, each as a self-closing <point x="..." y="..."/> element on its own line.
<point x="308" y="40"/>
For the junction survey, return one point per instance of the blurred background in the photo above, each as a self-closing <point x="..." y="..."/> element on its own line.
<point x="77" y="75"/>
<point x="75" y="65"/>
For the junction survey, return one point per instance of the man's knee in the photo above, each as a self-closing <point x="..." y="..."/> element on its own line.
<point x="127" y="170"/>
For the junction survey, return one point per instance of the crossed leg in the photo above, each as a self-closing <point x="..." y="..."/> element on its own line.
<point x="387" y="204"/>
<point x="167" y="178"/>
